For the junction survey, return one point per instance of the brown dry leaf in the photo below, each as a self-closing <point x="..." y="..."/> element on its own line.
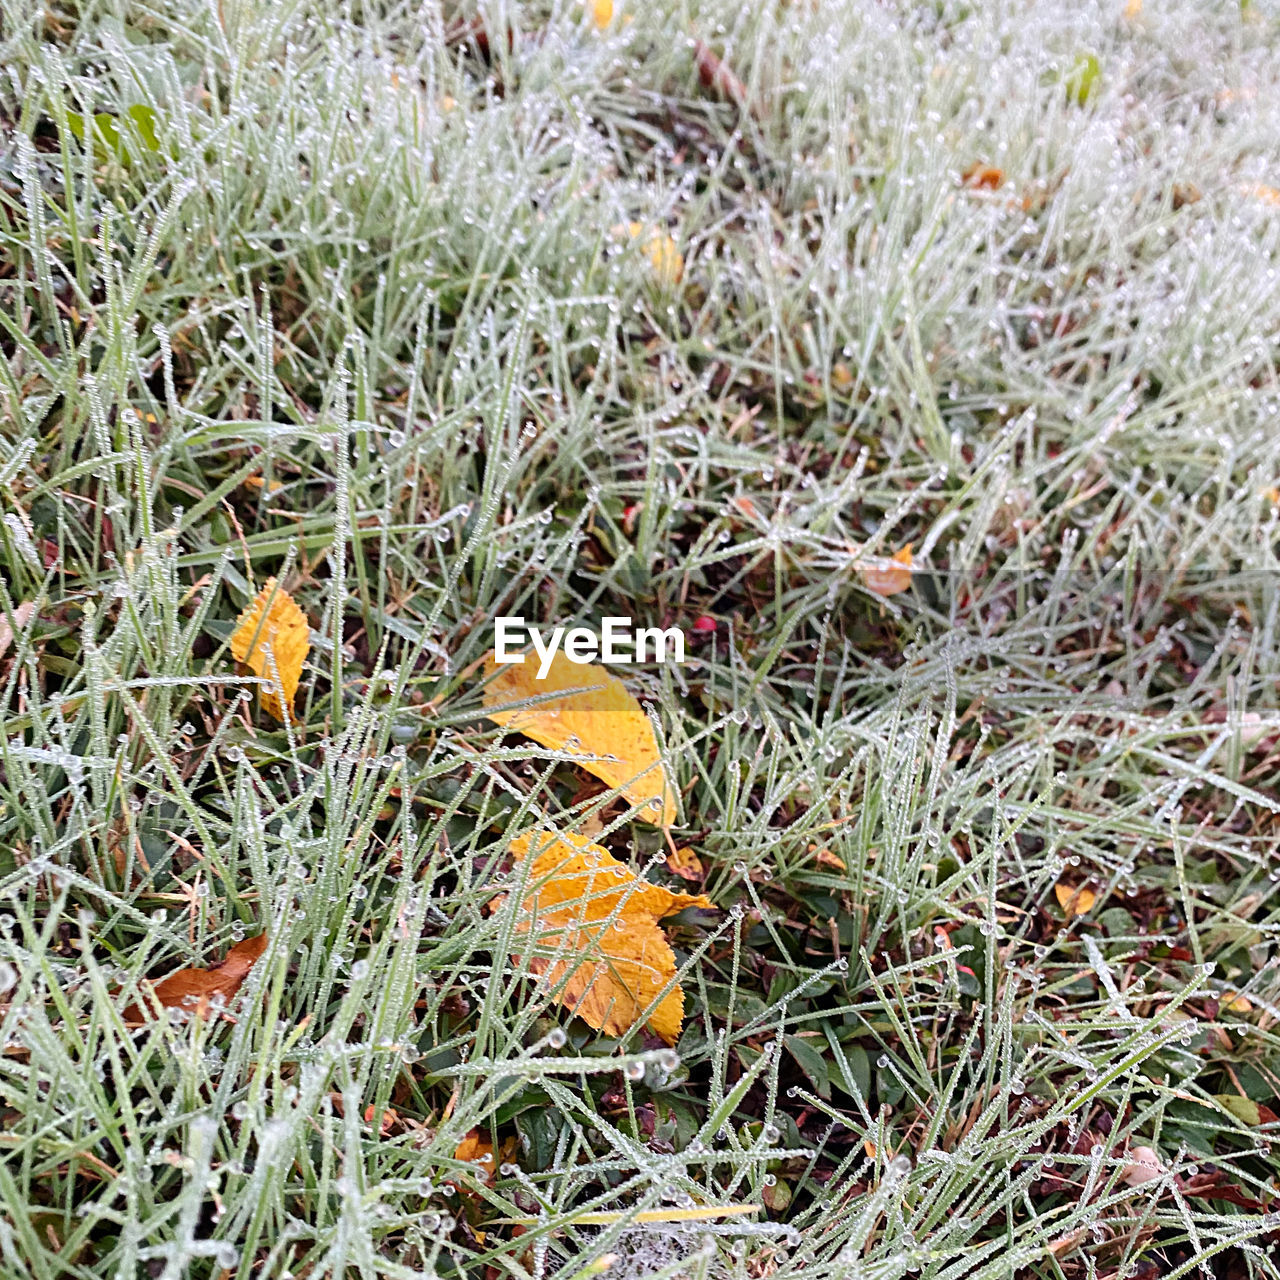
<point x="1075" y="900"/>
<point x="602" y="719"/>
<point x="715" y="74"/>
<point x="1143" y="1166"/>
<point x="825" y="858"/>
<point x="282" y="633"/>
<point x="890" y="578"/>
<point x="195" y="990"/>
<point x="21" y="615"/>
<point x="612" y="960"/>
<point x="589" y="825"/>
<point x="1064" y="1244"/>
<point x="686" y="864"/>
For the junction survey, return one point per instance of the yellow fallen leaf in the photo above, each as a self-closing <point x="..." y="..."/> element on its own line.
<point x="667" y="260"/>
<point x="601" y="12"/>
<point x="280" y="630"/>
<point x="1133" y="9"/>
<point x="602" y="720"/>
<point x="1234" y="1002"/>
<point x="595" y="923"/>
<point x="686" y="864"/>
<point x="892" y="578"/>
<point x="661" y="250"/>
<point x="390" y="1118"/>
<point x="1074" y="900"/>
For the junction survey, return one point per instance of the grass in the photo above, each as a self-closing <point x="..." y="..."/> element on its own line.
<point x="344" y="294"/>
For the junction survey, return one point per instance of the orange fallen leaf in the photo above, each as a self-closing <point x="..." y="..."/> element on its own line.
<point x="1260" y="191"/>
<point x="595" y="923"/>
<point x="196" y="990"/>
<point x="601" y="720"/>
<point x="390" y="1117"/>
<point x="983" y="177"/>
<point x="870" y="1148"/>
<point x="477" y="1150"/>
<point x="1075" y="900"/>
<point x="825" y="858"/>
<point x="257" y="483"/>
<point x="686" y="864"/>
<point x="277" y="630"/>
<point x="892" y="577"/>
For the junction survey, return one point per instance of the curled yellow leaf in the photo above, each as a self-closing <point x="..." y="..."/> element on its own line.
<point x="594" y="923"/>
<point x="272" y="639"/>
<point x="600" y="722"/>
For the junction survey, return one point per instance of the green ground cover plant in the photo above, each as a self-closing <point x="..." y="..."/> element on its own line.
<point x="695" y="314"/>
